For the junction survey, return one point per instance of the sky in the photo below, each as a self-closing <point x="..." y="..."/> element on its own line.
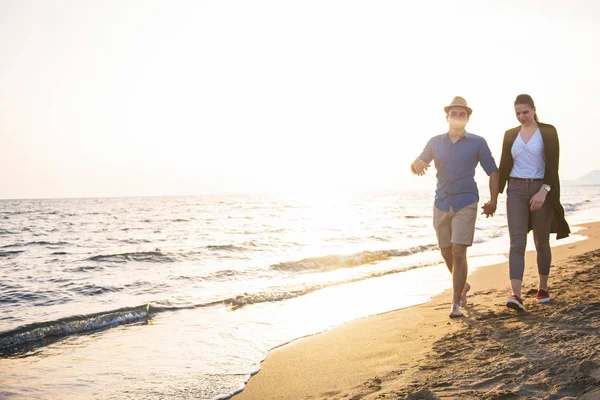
<point x="138" y="98"/>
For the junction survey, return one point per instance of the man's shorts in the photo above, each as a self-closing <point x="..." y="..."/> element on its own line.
<point x="455" y="227"/>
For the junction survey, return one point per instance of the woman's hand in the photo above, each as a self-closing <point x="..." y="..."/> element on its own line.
<point x="537" y="201"/>
<point x="489" y="209"/>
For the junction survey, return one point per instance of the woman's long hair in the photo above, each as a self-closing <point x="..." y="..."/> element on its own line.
<point x="527" y="100"/>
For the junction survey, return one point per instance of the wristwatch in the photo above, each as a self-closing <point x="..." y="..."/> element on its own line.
<point x="546" y="187"/>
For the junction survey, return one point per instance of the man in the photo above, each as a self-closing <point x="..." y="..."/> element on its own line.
<point x="456" y="155"/>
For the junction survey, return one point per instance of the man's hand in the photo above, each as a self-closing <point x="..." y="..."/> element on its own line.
<point x="489" y="209"/>
<point x="537" y="201"/>
<point x="419" y="167"/>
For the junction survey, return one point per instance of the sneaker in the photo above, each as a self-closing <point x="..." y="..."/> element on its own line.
<point x="515" y="303"/>
<point x="542" y="296"/>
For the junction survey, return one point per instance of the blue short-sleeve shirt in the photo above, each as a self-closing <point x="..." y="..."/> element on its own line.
<point x="455" y="164"/>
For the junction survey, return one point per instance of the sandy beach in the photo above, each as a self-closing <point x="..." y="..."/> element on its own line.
<point x="550" y="351"/>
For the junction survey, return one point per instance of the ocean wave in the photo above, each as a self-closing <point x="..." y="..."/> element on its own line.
<point x="17" y="294"/>
<point x="570" y="207"/>
<point x="347" y="239"/>
<point x="35" y="243"/>
<point x="10" y="293"/>
<point x="71" y="325"/>
<point x="224" y="275"/>
<point x="158" y="256"/>
<point x="489" y="235"/>
<point x="221" y="275"/>
<point x="135" y="241"/>
<point x="143" y="256"/>
<point x="44" y="243"/>
<point x="271" y="295"/>
<point x="91" y="289"/>
<point x="274" y="294"/>
<point x="20" y="212"/>
<point x="41" y="333"/>
<point x="10" y="253"/>
<point x="225" y="247"/>
<point x="85" y="268"/>
<point x="380" y="238"/>
<point x="332" y="262"/>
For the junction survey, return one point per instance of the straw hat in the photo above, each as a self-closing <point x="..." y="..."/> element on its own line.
<point x="459" y="102"/>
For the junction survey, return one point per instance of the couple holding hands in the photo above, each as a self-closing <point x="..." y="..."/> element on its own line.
<point x="528" y="170"/>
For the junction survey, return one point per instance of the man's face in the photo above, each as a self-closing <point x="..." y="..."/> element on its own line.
<point x="457" y="117"/>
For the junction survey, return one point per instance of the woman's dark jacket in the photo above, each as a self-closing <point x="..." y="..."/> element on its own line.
<point x="551" y="151"/>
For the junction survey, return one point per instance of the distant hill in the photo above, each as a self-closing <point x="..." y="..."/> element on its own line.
<point x="591" y="178"/>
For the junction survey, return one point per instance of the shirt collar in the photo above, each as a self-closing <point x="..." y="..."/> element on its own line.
<point x="465" y="136"/>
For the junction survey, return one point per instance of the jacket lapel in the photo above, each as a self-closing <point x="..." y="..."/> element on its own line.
<point x="512" y="135"/>
<point x="543" y="131"/>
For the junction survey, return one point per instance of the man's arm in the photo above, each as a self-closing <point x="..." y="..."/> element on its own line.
<point x="494" y="186"/>
<point x="489" y="165"/>
<point x="419" y="167"/>
<point x="421" y="163"/>
<point x="489" y="208"/>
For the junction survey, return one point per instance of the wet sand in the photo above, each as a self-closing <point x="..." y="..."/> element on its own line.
<point x="550" y="351"/>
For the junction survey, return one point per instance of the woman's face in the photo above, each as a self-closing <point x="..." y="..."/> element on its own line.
<point x="525" y="114"/>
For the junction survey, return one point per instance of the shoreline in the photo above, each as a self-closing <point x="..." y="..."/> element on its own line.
<point x="382" y="354"/>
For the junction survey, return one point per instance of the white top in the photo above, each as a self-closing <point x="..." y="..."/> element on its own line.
<point x="529" y="159"/>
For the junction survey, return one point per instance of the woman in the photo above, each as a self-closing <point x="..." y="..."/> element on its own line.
<point x="529" y="164"/>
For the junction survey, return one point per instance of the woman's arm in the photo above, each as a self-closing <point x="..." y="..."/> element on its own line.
<point x="552" y="153"/>
<point x="505" y="161"/>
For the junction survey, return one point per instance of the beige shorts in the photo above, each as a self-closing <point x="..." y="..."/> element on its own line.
<point x="455" y="227"/>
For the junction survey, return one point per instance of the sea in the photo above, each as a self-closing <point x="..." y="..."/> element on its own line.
<point x="183" y="297"/>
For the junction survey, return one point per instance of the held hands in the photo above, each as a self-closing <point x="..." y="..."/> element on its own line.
<point x="419" y="167"/>
<point x="537" y="201"/>
<point x="489" y="209"/>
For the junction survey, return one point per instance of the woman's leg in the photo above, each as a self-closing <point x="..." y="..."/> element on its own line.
<point x="517" y="210"/>
<point x="542" y="221"/>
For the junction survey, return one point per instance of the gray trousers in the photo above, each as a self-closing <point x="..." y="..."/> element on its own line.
<point x="517" y="210"/>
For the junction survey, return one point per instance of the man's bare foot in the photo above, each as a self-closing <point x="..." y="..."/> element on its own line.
<point x="463" y="298"/>
<point x="455" y="311"/>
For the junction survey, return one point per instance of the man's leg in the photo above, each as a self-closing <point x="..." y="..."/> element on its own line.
<point x="447" y="255"/>
<point x="459" y="277"/>
<point x="443" y="231"/>
<point x="463" y="230"/>
<point x="442" y="222"/>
